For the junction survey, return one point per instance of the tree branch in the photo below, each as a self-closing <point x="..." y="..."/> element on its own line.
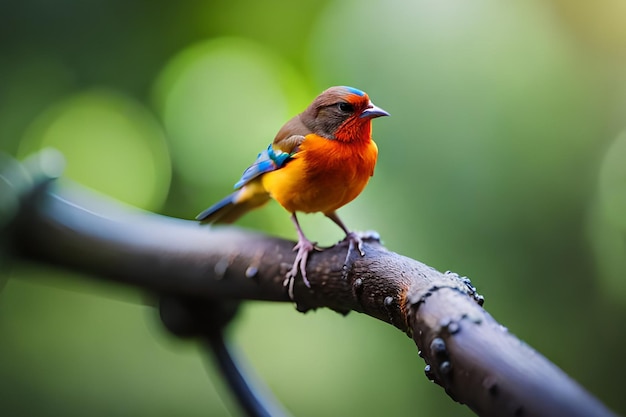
<point x="467" y="352"/>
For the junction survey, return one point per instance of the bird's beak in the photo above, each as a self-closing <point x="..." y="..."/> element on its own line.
<point x="373" y="111"/>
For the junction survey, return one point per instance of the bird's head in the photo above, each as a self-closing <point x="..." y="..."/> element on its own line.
<point x="342" y="113"/>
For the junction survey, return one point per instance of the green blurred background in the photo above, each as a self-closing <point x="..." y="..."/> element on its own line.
<point x="504" y="160"/>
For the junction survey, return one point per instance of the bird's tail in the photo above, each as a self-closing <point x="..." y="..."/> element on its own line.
<point x="232" y="207"/>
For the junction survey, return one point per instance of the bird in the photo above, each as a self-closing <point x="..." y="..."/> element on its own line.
<point x="319" y="161"/>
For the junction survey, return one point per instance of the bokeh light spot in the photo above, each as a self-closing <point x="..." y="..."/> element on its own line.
<point x="111" y="143"/>
<point x="612" y="183"/>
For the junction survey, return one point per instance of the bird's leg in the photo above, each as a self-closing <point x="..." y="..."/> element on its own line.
<point x="354" y="240"/>
<point x="304" y="247"/>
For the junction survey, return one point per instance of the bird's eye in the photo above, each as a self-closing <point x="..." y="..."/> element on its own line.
<point x="345" y="107"/>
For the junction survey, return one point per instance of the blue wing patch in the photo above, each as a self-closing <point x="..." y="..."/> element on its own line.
<point x="266" y="161"/>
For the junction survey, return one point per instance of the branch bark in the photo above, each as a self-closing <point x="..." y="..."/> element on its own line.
<point x="475" y="359"/>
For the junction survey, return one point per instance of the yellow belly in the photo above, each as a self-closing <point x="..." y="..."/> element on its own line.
<point x="323" y="176"/>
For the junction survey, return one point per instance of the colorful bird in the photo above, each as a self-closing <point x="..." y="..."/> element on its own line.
<point x="319" y="161"/>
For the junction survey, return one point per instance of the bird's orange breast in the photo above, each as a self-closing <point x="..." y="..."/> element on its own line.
<point x="323" y="176"/>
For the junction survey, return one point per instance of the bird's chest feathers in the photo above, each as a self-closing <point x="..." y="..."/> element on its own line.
<point x="335" y="172"/>
<point x="333" y="161"/>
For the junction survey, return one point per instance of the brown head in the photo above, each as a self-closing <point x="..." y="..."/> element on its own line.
<point x="342" y="113"/>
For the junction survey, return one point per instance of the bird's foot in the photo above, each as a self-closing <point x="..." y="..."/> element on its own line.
<point x="355" y="241"/>
<point x="304" y="247"/>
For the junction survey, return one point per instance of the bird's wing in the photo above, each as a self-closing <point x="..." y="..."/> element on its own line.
<point x="290" y="144"/>
<point x="285" y="145"/>
<point x="269" y="160"/>
<point x="291" y="135"/>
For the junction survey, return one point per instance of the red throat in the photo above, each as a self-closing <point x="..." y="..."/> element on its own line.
<point x="355" y="129"/>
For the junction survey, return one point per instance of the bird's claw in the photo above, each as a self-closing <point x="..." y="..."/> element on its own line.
<point x="355" y="241"/>
<point x="304" y="247"/>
